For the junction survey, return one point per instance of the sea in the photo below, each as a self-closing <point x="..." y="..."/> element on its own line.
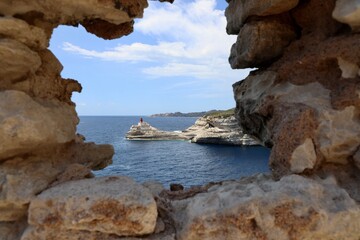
<point x="168" y="162"/>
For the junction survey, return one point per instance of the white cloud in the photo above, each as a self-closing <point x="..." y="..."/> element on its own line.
<point x="181" y="69"/>
<point x="190" y="41"/>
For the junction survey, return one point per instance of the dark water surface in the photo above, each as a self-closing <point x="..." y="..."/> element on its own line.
<point x="170" y="161"/>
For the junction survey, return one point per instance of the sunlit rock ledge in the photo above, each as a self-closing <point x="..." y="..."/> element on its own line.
<point x="207" y="130"/>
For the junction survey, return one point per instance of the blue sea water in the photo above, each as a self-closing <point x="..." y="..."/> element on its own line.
<point x="170" y="161"/>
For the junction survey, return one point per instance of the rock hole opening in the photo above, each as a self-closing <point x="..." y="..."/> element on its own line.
<point x="113" y="91"/>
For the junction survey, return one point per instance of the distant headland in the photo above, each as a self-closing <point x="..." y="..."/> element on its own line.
<point x="195" y="114"/>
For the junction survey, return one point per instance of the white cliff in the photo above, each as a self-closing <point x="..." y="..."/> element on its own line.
<point x="207" y="129"/>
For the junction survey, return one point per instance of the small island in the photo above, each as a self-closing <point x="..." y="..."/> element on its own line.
<point x="214" y="128"/>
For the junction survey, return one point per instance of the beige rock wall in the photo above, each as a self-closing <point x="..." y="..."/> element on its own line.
<point x="39" y="147"/>
<point x="303" y="101"/>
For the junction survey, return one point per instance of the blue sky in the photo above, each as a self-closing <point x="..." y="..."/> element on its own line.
<point x="175" y="60"/>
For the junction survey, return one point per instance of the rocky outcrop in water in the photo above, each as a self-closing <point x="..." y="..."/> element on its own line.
<point x="218" y="130"/>
<point x="144" y="131"/>
<point x="303" y="101"/>
<point x="207" y="129"/>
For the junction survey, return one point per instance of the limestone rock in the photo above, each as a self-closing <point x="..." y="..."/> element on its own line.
<point x="339" y="135"/>
<point x="26" y="124"/>
<point x="23" y="177"/>
<point x="44" y="14"/>
<point x="19" y="30"/>
<point x="259" y="42"/>
<point x="347" y="176"/>
<point x="261" y="102"/>
<point x="46" y="82"/>
<point x="73" y="172"/>
<point x="348" y="69"/>
<point x="17" y="60"/>
<point x="218" y="130"/>
<point x="303" y="157"/>
<point x="292" y="208"/>
<point x="239" y="10"/>
<point x="207" y="129"/>
<point x="155" y="187"/>
<point x="12" y="230"/>
<point x="114" y="205"/>
<point x="108" y="30"/>
<point x="348" y="11"/>
<point x="144" y="131"/>
<point x="40" y="233"/>
<point x="357" y="159"/>
<point x="59" y="89"/>
<point x="314" y="17"/>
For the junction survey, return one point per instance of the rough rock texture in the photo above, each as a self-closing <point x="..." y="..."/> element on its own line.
<point x="102" y="12"/>
<point x="348" y="11"/>
<point x="12" y="230"/>
<point x="207" y="129"/>
<point x="144" y="131"/>
<point x="259" y="42"/>
<point x="239" y="11"/>
<point x="113" y="205"/>
<point x="19" y="30"/>
<point x="33" y="124"/>
<point x="21" y="178"/>
<point x="17" y="60"/>
<point x="259" y="208"/>
<point x="303" y="101"/>
<point x="218" y="130"/>
<point x="45" y="234"/>
<point x="357" y="159"/>
<point x="39" y="146"/>
<point x="305" y="104"/>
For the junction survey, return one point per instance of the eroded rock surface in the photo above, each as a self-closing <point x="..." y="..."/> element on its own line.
<point x="207" y="129"/>
<point x="144" y="131"/>
<point x="260" y="208"/>
<point x="239" y="11"/>
<point x="113" y="205"/>
<point x="17" y="60"/>
<point x="348" y="11"/>
<point x="12" y="230"/>
<point x="303" y="101"/>
<point x="28" y="124"/>
<point x="39" y="146"/>
<point x="259" y="42"/>
<point x="218" y="130"/>
<point x="22" y="178"/>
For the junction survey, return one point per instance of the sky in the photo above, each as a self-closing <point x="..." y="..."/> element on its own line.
<point x="175" y="60"/>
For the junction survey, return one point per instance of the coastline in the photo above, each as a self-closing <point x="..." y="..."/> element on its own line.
<point x="206" y="130"/>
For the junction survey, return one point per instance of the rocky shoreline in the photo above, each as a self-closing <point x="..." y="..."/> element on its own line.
<point x="206" y="130"/>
